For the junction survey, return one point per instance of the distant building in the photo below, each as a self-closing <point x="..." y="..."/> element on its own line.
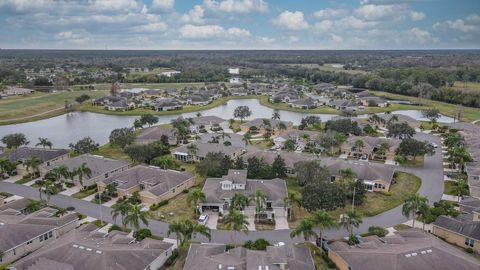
<point x="183" y="153"/>
<point x="17" y="91"/>
<point x="170" y="74"/>
<point x="153" y="134"/>
<point x="234" y="71"/>
<point x="47" y="156"/>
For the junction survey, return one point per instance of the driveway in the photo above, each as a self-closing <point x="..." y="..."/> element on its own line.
<point x="13" y="179"/>
<point x="281" y="223"/>
<point x="70" y="191"/>
<point x="432" y="187"/>
<point x="212" y="220"/>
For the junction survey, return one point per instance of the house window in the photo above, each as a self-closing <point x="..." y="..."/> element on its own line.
<point x="50" y="234"/>
<point x="469" y="242"/>
<point x="14" y="252"/>
<point x="173" y="190"/>
<point x="41" y="238"/>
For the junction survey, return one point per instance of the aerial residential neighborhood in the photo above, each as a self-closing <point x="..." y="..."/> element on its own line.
<point x="239" y="135"/>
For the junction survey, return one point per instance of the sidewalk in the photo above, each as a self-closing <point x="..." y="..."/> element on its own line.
<point x="70" y="191"/>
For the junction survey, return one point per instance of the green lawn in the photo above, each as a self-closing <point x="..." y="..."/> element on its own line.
<point x="36" y="103"/>
<point x="470" y="114"/>
<point x="400" y="227"/>
<point x="316" y="252"/>
<point x="417" y="162"/>
<point x="112" y="152"/>
<point x="374" y="203"/>
<point x="178" y="207"/>
<point x="107" y="86"/>
<point x="85" y="193"/>
<point x="327" y="67"/>
<point x="23" y="180"/>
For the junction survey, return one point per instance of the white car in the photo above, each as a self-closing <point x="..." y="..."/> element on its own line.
<point x="434" y="145"/>
<point x="203" y="219"/>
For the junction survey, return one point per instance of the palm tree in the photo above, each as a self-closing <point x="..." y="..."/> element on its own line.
<point x="247" y="138"/>
<point x="237" y="222"/>
<point x="359" y="144"/>
<point x="412" y="205"/>
<point x="50" y="188"/>
<point x="63" y="172"/>
<point x="33" y="162"/>
<point x="292" y="198"/>
<point x="192" y="150"/>
<point x="191" y="229"/>
<point x="176" y="227"/>
<point x="460" y="189"/>
<point x="82" y="171"/>
<point x="276" y="115"/>
<point x="260" y="202"/>
<point x="424" y="214"/>
<point x="349" y="220"/>
<point x="194" y="196"/>
<point x="44" y="142"/>
<point x="34" y="206"/>
<point x="239" y="201"/>
<point x="135" y="215"/>
<point x="305" y="228"/>
<point x="323" y="221"/>
<point x="281" y="126"/>
<point x="5" y="165"/>
<point x="121" y="209"/>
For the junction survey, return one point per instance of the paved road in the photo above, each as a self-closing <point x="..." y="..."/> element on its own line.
<point x="432" y="187"/>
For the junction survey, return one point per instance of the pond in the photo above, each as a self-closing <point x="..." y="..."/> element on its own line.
<point x="71" y="127"/>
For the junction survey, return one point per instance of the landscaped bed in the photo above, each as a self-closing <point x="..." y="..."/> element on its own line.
<point x="85" y="193"/>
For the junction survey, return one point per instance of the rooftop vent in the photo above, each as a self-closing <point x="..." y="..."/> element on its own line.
<point x="423" y="252"/>
<point x="414" y="254"/>
<point x="219" y="266"/>
<point x="408" y="255"/>
<point x="98" y="251"/>
<point x="75" y="246"/>
<point x="89" y="249"/>
<point x="429" y="251"/>
<point x="81" y="247"/>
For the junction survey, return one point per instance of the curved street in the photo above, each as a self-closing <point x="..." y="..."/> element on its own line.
<point x="431" y="175"/>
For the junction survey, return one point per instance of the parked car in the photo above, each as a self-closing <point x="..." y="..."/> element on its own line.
<point x="203" y="219"/>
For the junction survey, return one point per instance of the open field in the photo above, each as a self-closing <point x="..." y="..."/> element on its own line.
<point x="109" y="151"/>
<point x="106" y="86"/>
<point x="374" y="203"/>
<point x="470" y="86"/>
<point x="470" y="114"/>
<point x="31" y="105"/>
<point x="328" y="67"/>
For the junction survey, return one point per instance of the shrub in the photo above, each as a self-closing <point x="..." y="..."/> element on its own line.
<point x="70" y="208"/>
<point x="469" y="250"/>
<point x="172" y="258"/>
<point x="260" y="244"/>
<point x="142" y="234"/>
<point x="185" y="191"/>
<point x="69" y="185"/>
<point x="353" y="240"/>
<point x="378" y="231"/>
<point x="115" y="227"/>
<point x="330" y="263"/>
<point x="155" y="206"/>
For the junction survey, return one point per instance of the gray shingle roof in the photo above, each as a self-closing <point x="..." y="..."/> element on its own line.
<point x="13" y="235"/>
<point x="363" y="170"/>
<point x="26" y="152"/>
<point x="155" y="134"/>
<point x="429" y="252"/>
<point x="465" y="227"/>
<point x="83" y="249"/>
<point x="207" y="120"/>
<point x="205" y="148"/>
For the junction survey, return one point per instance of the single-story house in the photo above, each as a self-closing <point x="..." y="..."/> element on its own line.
<point x="205" y="122"/>
<point x="153" y="184"/>
<point x="300" y="137"/>
<point x="220" y="191"/>
<point x="88" y="248"/>
<point x="410" y="249"/>
<point x="374" y="101"/>
<point x="284" y="97"/>
<point x="344" y="104"/>
<point x="22" y="233"/>
<point x="217" y="256"/>
<point x="16" y="91"/>
<point x="305" y="104"/>
<point x="372" y="147"/>
<point x="153" y="134"/>
<point x="260" y="126"/>
<point x="47" y="156"/>
<point x="197" y="99"/>
<point x="324" y="87"/>
<point x="166" y="104"/>
<point x="290" y="158"/>
<point x="183" y="153"/>
<point x="375" y="177"/>
<point x="222" y="138"/>
<point x="100" y="166"/>
<point x="462" y="231"/>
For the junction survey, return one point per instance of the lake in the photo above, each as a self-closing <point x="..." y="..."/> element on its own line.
<point x="71" y="127"/>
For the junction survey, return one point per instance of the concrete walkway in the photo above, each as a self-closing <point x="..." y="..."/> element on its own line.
<point x="450" y="198"/>
<point x="70" y="191"/>
<point x="90" y="198"/>
<point x="111" y="202"/>
<point x="12" y="198"/>
<point x="13" y="179"/>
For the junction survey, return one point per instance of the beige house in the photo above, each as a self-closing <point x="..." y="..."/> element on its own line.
<point x="101" y="168"/>
<point x="372" y="147"/>
<point x="186" y="154"/>
<point x="48" y="157"/>
<point x="22" y="233"/>
<point x="463" y="231"/>
<point x="153" y="184"/>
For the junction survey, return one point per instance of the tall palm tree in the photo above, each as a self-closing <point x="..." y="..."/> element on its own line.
<point x="305" y="228"/>
<point x="82" y="171"/>
<point x="237" y="222"/>
<point x="176" y="227"/>
<point x="323" y="221"/>
<point x="291" y="199"/>
<point x="460" y="189"/>
<point x="192" y="229"/>
<point x="359" y="144"/>
<point x="63" y="172"/>
<point x="424" y="214"/>
<point x="192" y="150"/>
<point x="276" y="115"/>
<point x="50" y="188"/>
<point x="411" y="206"/>
<point x="260" y="202"/>
<point x="349" y="220"/>
<point x="239" y="201"/>
<point x="247" y="138"/>
<point x="135" y="215"/>
<point x="194" y="197"/>
<point x="33" y="163"/>
<point x="121" y="209"/>
<point x="5" y="165"/>
<point x="44" y="142"/>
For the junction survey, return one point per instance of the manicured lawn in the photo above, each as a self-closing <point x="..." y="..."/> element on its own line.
<point x="99" y="223"/>
<point x="30" y="105"/>
<point x="23" y="180"/>
<point x="178" y="207"/>
<point x="264" y="227"/>
<point x="418" y="161"/>
<point x="262" y="144"/>
<point x="449" y="187"/>
<point x="470" y="114"/>
<point x="112" y="152"/>
<point x="374" y="203"/>
<point x="84" y="193"/>
<point x="400" y="227"/>
<point x="106" y="86"/>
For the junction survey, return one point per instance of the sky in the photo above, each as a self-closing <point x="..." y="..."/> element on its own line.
<point x="239" y="24"/>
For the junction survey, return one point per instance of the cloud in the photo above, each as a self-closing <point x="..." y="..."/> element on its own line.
<point x="336" y="38"/>
<point x="116" y="5"/>
<point x="154" y="27"/>
<point x="293" y="38"/>
<point x="376" y="12"/>
<point x="163" y="5"/>
<point x="417" y="16"/>
<point x="191" y="31"/>
<point x="329" y="13"/>
<point x="291" y="20"/>
<point x="468" y="25"/>
<point x="422" y="36"/>
<point x="265" y="39"/>
<point x="195" y="15"/>
<point x="72" y="37"/>
<point x="236" y="6"/>
<point x="324" y="25"/>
